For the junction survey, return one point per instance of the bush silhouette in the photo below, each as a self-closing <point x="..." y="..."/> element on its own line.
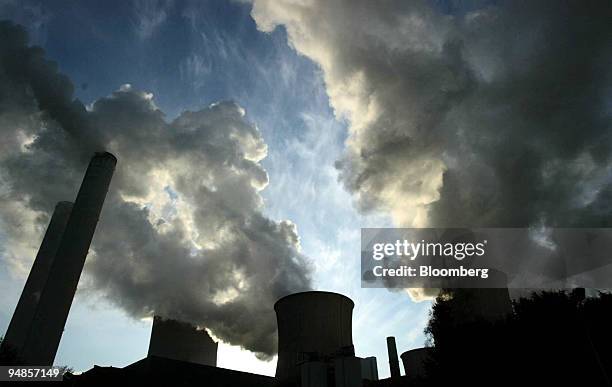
<point x="549" y="338"/>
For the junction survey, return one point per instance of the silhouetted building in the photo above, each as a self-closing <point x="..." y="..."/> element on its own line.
<point x="39" y="345"/>
<point x="157" y="371"/>
<point x="369" y="368"/>
<point x="182" y="341"/>
<point x="312" y="326"/>
<point x="488" y="304"/>
<point x="414" y="362"/>
<point x="315" y="349"/>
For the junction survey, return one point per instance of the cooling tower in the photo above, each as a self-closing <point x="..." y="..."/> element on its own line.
<point x="21" y="323"/>
<point x="489" y="304"/>
<point x="494" y="303"/>
<point x="311" y="326"/>
<point x="182" y="341"/>
<point x="415" y="362"/>
<point x="56" y="298"/>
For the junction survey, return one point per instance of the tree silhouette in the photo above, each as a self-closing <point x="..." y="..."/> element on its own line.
<point x="549" y="338"/>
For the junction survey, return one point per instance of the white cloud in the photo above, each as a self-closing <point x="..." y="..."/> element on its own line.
<point x="182" y="233"/>
<point x="149" y="15"/>
<point x="448" y="113"/>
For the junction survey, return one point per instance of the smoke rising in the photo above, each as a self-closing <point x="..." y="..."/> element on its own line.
<point x="495" y="117"/>
<point x="182" y="232"/>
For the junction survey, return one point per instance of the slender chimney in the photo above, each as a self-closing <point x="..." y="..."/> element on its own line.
<point x="55" y="301"/>
<point x="21" y="323"/>
<point x="393" y="360"/>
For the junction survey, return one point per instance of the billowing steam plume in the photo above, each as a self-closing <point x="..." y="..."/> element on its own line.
<point x="498" y="116"/>
<point x="182" y="232"/>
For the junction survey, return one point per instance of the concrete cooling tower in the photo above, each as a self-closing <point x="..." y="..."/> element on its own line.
<point x="177" y="340"/>
<point x="489" y="304"/>
<point x="415" y="362"/>
<point x="312" y="326"/>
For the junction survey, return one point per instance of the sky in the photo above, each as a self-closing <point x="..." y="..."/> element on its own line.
<point x="255" y="139"/>
<point x="188" y="56"/>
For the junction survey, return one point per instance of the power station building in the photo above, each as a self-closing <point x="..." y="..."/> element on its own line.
<point x="315" y="339"/>
<point x="315" y="349"/>
<point x="315" y="342"/>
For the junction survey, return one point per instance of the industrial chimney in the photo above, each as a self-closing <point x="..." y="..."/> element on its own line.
<point x="20" y="327"/>
<point x="393" y="360"/>
<point x="56" y="297"/>
<point x="182" y="341"/>
<point x="311" y="326"/>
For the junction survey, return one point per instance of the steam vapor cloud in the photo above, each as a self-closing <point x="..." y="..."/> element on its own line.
<point x="495" y="117"/>
<point x="182" y="232"/>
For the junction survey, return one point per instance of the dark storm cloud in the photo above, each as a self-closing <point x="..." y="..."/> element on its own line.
<point x="497" y="117"/>
<point x="182" y="232"/>
<point x="52" y="91"/>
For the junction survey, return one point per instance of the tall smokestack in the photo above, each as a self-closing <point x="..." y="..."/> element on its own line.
<point x="393" y="360"/>
<point x="56" y="298"/>
<point x="311" y="326"/>
<point x="20" y="326"/>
